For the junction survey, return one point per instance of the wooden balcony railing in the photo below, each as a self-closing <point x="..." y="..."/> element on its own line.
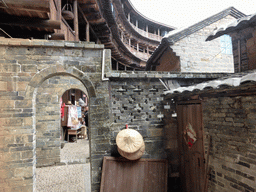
<point x="147" y="34"/>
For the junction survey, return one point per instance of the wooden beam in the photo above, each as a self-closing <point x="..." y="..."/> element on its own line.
<point x="57" y="36"/>
<point x="98" y="21"/>
<point x="82" y="13"/>
<point x="76" y="29"/>
<point x="36" y="5"/>
<point x="29" y="22"/>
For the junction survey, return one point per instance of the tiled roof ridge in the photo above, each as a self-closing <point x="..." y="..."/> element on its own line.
<point x="180" y="34"/>
<point x="240" y="23"/>
<point x="234" y="80"/>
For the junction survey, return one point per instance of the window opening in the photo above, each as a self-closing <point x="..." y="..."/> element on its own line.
<point x="226" y="44"/>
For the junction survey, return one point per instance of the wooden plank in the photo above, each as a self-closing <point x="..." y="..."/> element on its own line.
<point x="119" y="174"/>
<point x="38" y="5"/>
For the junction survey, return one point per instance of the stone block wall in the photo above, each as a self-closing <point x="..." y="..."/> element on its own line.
<point x="33" y="76"/>
<point x="48" y="128"/>
<point x="197" y="55"/>
<point x="230" y="121"/>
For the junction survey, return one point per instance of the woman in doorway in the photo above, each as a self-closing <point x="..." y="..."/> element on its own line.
<point x="86" y="120"/>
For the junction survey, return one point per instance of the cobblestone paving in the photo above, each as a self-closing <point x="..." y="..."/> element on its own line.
<point x="67" y="178"/>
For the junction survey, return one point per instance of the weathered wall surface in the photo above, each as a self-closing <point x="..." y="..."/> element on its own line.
<point x="244" y="49"/>
<point x="169" y="61"/>
<point x="33" y="76"/>
<point x="230" y="121"/>
<point x="229" y="133"/>
<point x="197" y="55"/>
<point x="137" y="102"/>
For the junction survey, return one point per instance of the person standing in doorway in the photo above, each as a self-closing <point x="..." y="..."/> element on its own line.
<point x="86" y="120"/>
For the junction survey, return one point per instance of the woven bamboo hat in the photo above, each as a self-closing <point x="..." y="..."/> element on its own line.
<point x="133" y="156"/>
<point x="129" y="140"/>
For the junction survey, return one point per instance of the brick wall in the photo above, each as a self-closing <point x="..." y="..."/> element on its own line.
<point x="137" y="102"/>
<point x="197" y="55"/>
<point x="231" y="123"/>
<point x="229" y="135"/>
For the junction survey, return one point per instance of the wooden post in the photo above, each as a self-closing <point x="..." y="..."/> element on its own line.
<point x="58" y="10"/>
<point x="129" y="17"/>
<point x="137" y="23"/>
<point x="138" y="47"/>
<point x="76" y="20"/>
<point x="158" y="32"/>
<point x="239" y="55"/>
<point x="87" y="32"/>
<point x="122" y="36"/>
<point x="147" y="30"/>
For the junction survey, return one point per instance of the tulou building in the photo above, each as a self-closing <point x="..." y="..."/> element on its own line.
<point x="74" y="74"/>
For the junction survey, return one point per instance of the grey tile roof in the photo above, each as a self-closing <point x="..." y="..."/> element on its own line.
<point x="241" y="23"/>
<point x="235" y="80"/>
<point x="176" y="35"/>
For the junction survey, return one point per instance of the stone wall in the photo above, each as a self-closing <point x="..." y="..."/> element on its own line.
<point x="197" y="55"/>
<point x="230" y="121"/>
<point x="33" y="76"/>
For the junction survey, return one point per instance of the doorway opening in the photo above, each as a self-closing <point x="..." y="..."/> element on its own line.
<point x="74" y="127"/>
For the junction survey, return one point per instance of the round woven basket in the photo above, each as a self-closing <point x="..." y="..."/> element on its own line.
<point x="67" y="12"/>
<point x="133" y="156"/>
<point x="129" y="140"/>
<point x="130" y="144"/>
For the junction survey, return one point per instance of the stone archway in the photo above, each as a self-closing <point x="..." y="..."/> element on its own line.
<point x="46" y="88"/>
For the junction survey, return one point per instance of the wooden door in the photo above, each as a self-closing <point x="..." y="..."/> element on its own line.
<point x="191" y="150"/>
<point x="143" y="175"/>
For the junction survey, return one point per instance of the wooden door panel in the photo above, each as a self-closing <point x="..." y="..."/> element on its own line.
<point x="192" y="159"/>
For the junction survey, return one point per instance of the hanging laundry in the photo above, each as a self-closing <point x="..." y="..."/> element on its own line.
<point x="73" y="121"/>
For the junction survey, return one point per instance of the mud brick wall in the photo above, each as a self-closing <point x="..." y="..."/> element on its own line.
<point x="230" y="121"/>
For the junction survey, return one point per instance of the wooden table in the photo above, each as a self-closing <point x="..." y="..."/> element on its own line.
<point x="74" y="132"/>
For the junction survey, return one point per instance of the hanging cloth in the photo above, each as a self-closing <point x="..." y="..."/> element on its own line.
<point x="72" y="117"/>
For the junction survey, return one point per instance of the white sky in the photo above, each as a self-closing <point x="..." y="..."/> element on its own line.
<point x="181" y="13"/>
